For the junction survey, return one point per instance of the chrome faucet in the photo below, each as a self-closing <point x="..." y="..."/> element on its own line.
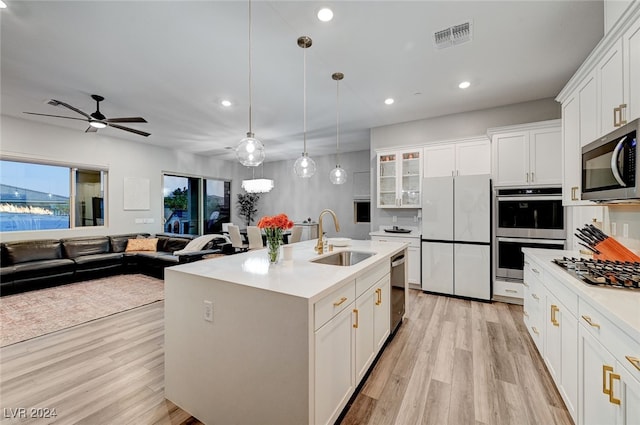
<point x="319" y="247"/>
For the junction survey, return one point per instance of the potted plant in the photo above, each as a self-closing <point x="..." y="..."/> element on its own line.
<point x="247" y="205"/>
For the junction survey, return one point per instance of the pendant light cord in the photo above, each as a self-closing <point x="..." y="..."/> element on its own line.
<point x="250" y="90"/>
<point x="338" y="122"/>
<point x="304" y="98"/>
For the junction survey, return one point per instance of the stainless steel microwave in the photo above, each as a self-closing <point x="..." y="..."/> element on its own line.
<point x="609" y="171"/>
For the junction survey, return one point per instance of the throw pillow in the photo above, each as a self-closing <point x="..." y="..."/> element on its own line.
<point x="149" y="244"/>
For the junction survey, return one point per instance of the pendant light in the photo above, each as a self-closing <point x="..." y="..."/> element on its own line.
<point x="250" y="151"/>
<point x="338" y="175"/>
<point x="255" y="185"/>
<point x="304" y="167"/>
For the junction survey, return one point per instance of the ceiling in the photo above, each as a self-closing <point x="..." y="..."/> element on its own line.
<point x="173" y="62"/>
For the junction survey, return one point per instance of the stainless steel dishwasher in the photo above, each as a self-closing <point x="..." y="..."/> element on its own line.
<point x="397" y="290"/>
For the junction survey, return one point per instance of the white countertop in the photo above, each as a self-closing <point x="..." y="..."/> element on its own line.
<point x="298" y="277"/>
<point x="622" y="306"/>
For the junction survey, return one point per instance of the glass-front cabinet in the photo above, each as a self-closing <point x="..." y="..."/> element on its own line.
<point x="399" y="178"/>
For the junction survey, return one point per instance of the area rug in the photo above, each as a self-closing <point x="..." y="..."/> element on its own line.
<point x="35" y="313"/>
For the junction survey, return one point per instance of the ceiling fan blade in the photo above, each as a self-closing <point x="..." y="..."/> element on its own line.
<point x="55" y="116"/>
<point x="91" y="129"/>
<point x="74" y="109"/>
<point x="132" y="130"/>
<point x="127" y="119"/>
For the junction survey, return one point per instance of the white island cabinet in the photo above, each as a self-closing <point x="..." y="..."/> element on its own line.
<point x="589" y="338"/>
<point x="251" y="343"/>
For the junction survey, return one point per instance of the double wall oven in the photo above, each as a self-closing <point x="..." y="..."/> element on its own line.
<point x="526" y="218"/>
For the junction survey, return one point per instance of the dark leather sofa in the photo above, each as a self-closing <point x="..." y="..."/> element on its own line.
<point x="34" y="264"/>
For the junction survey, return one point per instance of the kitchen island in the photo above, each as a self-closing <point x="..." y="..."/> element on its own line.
<point x="247" y="342"/>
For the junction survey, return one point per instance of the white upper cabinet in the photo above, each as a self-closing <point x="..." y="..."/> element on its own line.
<point x="399" y="178"/>
<point x="527" y="155"/>
<point x="610" y="89"/>
<point x="603" y="94"/>
<point x="631" y="70"/>
<point x="460" y="158"/>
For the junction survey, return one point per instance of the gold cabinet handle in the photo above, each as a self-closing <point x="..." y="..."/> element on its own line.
<point x="337" y="303"/>
<point x="355" y="325"/>
<point x="554" y="309"/>
<point x="612" y="399"/>
<point x="535" y="330"/>
<point x="616" y="111"/>
<point x="532" y="177"/>
<point x="574" y="190"/>
<point x="535" y="297"/>
<point x="634" y="361"/>
<point x="379" y="300"/>
<point x="623" y="120"/>
<point x="511" y="291"/>
<point x="605" y="369"/>
<point x="591" y="322"/>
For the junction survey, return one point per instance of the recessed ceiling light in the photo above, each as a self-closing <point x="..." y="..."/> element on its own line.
<point x="3" y="5"/>
<point x="389" y="101"/>
<point x="325" y="14"/>
<point x="464" y="84"/>
<point x="225" y="103"/>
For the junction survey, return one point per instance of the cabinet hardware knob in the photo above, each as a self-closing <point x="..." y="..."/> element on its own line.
<point x="535" y="330"/>
<point x="591" y="322"/>
<point x="525" y="313"/>
<point x="634" y="361"/>
<point x="554" y="309"/>
<point x="525" y="284"/>
<point x="535" y="297"/>
<point x="355" y="325"/>
<point x="337" y="303"/>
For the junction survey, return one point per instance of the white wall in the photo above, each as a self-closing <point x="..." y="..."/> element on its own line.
<point x="124" y="159"/>
<point x="449" y="127"/>
<point x="306" y="198"/>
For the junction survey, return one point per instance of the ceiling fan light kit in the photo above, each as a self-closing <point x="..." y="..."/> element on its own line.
<point x="250" y="151"/>
<point x="96" y="120"/>
<point x="338" y="175"/>
<point x="304" y="166"/>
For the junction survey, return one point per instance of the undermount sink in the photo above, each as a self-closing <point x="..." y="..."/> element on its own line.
<point x="344" y="258"/>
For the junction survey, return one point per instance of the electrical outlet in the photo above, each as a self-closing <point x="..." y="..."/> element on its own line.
<point x="614" y="228"/>
<point x="394" y="219"/>
<point x="208" y="311"/>
<point x="625" y="230"/>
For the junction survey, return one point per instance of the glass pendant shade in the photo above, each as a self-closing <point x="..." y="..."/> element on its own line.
<point x="250" y="151"/>
<point x="338" y="175"/>
<point x="304" y="167"/>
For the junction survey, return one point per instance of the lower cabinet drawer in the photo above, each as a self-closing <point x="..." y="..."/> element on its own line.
<point x="333" y="304"/>
<point x="508" y="289"/>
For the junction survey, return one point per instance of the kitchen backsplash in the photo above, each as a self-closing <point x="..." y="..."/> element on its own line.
<point x="613" y="219"/>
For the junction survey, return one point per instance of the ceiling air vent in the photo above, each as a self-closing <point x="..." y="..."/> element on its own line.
<point x="454" y="35"/>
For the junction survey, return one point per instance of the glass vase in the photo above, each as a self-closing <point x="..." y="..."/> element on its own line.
<point x="274" y="242"/>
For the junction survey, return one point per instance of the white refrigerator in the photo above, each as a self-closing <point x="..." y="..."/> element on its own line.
<point x="456" y="236"/>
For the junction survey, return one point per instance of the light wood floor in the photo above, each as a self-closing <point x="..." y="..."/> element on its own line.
<point x="452" y="362"/>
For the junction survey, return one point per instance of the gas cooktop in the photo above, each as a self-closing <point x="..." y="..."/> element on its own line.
<point x="615" y="274"/>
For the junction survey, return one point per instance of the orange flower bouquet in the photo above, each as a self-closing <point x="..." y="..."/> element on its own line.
<point x="273" y="228"/>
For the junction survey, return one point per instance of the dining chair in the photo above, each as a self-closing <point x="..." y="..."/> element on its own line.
<point x="236" y="238"/>
<point x="296" y="234"/>
<point x="255" y="237"/>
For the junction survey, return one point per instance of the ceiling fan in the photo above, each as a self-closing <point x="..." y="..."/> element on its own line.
<point x="96" y="120"/>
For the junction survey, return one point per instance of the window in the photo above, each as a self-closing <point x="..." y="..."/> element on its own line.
<point x="217" y="204"/>
<point x="194" y="203"/>
<point x="39" y="196"/>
